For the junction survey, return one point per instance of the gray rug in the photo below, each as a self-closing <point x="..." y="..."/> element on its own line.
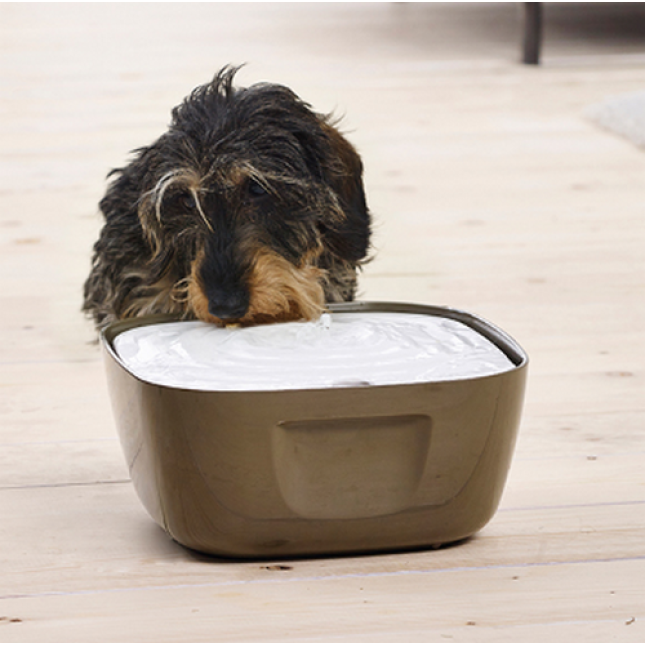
<point x="623" y="115"/>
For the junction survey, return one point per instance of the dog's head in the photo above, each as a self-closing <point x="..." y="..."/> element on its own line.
<point x="247" y="198"/>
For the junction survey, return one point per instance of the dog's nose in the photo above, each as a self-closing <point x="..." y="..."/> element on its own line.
<point x="228" y="306"/>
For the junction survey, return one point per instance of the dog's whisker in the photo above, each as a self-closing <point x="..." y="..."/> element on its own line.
<point x="155" y="195"/>
<point x="180" y="290"/>
<point x="195" y="195"/>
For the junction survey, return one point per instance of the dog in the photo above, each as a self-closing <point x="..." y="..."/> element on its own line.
<point x="250" y="209"/>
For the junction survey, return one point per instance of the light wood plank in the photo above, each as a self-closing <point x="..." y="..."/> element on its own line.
<point x="567" y="604"/>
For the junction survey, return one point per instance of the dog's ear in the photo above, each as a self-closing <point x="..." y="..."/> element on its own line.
<point x="128" y="184"/>
<point x="348" y="237"/>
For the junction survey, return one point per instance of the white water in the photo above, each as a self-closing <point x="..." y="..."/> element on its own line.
<point x="338" y="350"/>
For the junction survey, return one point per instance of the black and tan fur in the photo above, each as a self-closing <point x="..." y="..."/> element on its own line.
<point x="249" y="209"/>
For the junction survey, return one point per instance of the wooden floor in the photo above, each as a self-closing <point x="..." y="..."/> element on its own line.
<point x="492" y="192"/>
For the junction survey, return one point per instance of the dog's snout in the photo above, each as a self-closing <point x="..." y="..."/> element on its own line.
<point x="228" y="306"/>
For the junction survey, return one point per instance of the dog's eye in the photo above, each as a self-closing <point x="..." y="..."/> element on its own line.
<point x="182" y="201"/>
<point x="256" y="189"/>
<point x="187" y="201"/>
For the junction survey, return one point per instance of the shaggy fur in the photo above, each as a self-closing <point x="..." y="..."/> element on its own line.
<point x="249" y="209"/>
